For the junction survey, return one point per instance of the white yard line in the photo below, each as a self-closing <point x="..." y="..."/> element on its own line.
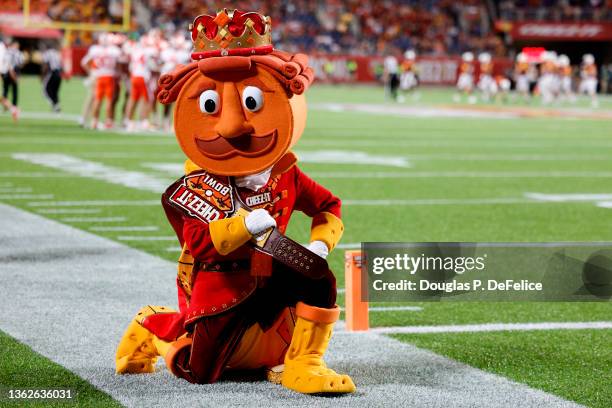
<point x="95" y="170"/>
<point x="438" y="201"/>
<point x="49" y="116"/>
<point x="392" y="308"/>
<point x="95" y="203"/>
<point x="349" y="245"/>
<point x="459" y="174"/>
<point x="599" y="199"/>
<point x="145" y="238"/>
<point x="564" y="198"/>
<point x="92" y="141"/>
<point x="412" y="111"/>
<point x="16" y="190"/>
<point x="72" y="276"/>
<point x="502" y="158"/>
<point x="32" y="174"/>
<point x="494" y="327"/>
<point x="94" y="219"/>
<point x="69" y="211"/>
<point x="395" y="308"/>
<point x="26" y="196"/>
<point x="125" y="228"/>
<point x="397" y="144"/>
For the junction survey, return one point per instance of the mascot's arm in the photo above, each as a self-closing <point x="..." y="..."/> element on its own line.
<point x="219" y="237"/>
<point x="229" y="234"/>
<point x="319" y="203"/>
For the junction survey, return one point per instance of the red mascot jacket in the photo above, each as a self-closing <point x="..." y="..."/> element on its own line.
<point x="210" y="283"/>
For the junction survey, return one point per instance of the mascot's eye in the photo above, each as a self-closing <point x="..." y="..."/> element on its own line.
<point x="252" y="98"/>
<point x="209" y="102"/>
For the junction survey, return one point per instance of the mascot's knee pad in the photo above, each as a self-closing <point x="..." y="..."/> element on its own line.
<point x="177" y="358"/>
<point x="139" y="348"/>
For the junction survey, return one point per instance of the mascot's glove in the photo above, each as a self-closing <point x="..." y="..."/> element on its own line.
<point x="319" y="248"/>
<point x="259" y="221"/>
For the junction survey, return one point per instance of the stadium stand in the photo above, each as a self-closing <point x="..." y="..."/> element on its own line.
<point x="359" y="27"/>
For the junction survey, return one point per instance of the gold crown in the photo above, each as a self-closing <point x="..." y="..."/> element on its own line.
<point x="231" y="33"/>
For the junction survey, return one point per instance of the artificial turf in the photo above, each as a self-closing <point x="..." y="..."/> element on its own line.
<point x="548" y="360"/>
<point x="23" y="369"/>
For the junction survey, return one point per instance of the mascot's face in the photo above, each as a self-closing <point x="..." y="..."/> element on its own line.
<point x="237" y="123"/>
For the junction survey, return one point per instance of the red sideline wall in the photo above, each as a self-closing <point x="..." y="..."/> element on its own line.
<point x="335" y="68"/>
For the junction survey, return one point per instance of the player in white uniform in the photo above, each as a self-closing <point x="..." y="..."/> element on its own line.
<point x="4" y="68"/>
<point x="101" y="63"/>
<point x="408" y="77"/>
<point x="588" y="78"/>
<point x="548" y="83"/>
<point x="486" y="83"/>
<point x="465" y="82"/>
<point x="143" y="60"/>
<point x="565" y="78"/>
<point x="521" y="75"/>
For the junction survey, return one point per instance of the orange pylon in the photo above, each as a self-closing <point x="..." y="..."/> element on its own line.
<point x="356" y="311"/>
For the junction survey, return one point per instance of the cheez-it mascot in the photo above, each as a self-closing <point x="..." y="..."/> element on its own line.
<point x="249" y="297"/>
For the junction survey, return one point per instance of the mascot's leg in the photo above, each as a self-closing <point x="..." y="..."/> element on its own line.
<point x="305" y="371"/>
<point x="139" y="348"/>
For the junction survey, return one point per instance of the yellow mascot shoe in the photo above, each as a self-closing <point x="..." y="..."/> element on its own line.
<point x="139" y="348"/>
<point x="305" y="371"/>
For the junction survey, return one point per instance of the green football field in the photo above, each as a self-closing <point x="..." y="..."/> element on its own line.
<point x="401" y="177"/>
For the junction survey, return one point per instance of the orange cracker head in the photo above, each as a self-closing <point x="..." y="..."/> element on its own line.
<point x="238" y="114"/>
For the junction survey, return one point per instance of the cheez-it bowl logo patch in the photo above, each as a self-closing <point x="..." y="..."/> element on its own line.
<point x="204" y="197"/>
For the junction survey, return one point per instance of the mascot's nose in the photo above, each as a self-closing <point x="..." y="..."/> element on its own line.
<point x="232" y="122"/>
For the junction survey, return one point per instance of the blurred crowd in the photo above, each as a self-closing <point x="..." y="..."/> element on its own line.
<point x="556" y="10"/>
<point x="363" y="27"/>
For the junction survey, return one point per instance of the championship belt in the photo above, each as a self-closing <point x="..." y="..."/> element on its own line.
<point x="208" y="197"/>
<point x="282" y="248"/>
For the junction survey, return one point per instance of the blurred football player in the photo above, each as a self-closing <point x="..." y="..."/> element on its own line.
<point x="51" y="73"/>
<point x="521" y="76"/>
<point x="465" y="82"/>
<point x="486" y="84"/>
<point x="548" y="81"/>
<point x="565" y="75"/>
<point x="101" y="63"/>
<point x="588" y="78"/>
<point x="4" y="67"/>
<point x="391" y="75"/>
<point x="142" y="61"/>
<point x="409" y="74"/>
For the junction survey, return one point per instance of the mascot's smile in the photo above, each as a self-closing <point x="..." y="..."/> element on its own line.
<point x="247" y="145"/>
